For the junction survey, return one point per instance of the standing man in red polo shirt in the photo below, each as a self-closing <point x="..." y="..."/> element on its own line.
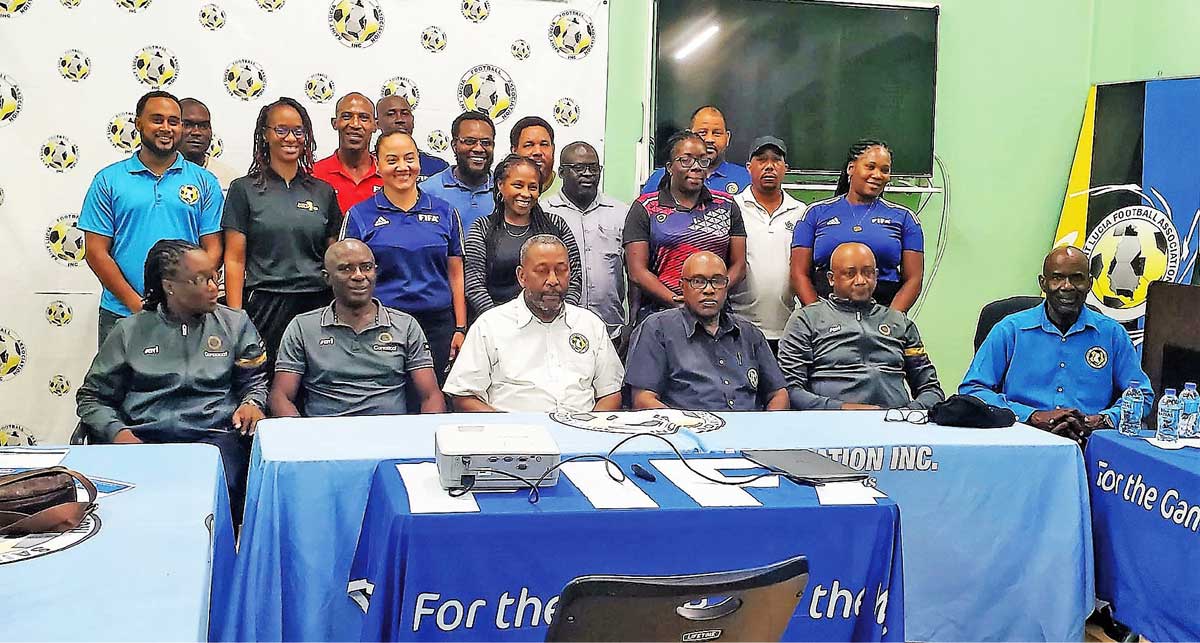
<point x="351" y="168"/>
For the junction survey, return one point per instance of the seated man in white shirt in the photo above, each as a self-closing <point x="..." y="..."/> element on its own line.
<point x="537" y="353"/>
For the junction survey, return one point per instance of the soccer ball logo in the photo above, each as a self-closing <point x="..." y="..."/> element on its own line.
<point x="10" y="100"/>
<point x="59" y="153"/>
<point x="319" y="88"/>
<point x="133" y="5"/>
<point x="60" y="385"/>
<point x="433" y="39"/>
<point x="356" y="23"/>
<point x="212" y="17"/>
<point x="245" y="79"/>
<point x="216" y="147"/>
<point x="122" y="132"/>
<point x="58" y="313"/>
<point x="12" y="354"/>
<point x="520" y="49"/>
<point x="572" y="34"/>
<point x="487" y="89"/>
<point x="64" y="240"/>
<point x="74" y="65"/>
<point x="438" y="141"/>
<point x="12" y="7"/>
<point x="271" y="5"/>
<point x="70" y="4"/>
<point x="155" y="66"/>
<point x="566" y="112"/>
<point x="1127" y="253"/>
<point x="15" y="435"/>
<point x="476" y="10"/>
<point x="401" y="86"/>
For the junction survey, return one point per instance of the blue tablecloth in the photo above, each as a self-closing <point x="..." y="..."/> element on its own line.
<point x="469" y="576"/>
<point x="143" y="568"/>
<point x="997" y="529"/>
<point x="1146" y="513"/>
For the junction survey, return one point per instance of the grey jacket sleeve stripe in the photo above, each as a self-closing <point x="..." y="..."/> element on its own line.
<point x="795" y="359"/>
<point x="919" y="371"/>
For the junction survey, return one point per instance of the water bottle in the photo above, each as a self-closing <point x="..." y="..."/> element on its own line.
<point x="1168" y="417"/>
<point x="1132" y="405"/>
<point x="1189" y="400"/>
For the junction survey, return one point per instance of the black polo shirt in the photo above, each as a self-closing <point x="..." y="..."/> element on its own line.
<point x="287" y="226"/>
<point x="674" y="356"/>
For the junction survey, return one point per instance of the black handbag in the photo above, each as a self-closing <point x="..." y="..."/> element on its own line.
<point x="43" y="501"/>
<point x="971" y="412"/>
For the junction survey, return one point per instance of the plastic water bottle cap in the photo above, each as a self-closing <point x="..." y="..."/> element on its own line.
<point x="1169" y="391"/>
<point x="1133" y="384"/>
<point x="1191" y="386"/>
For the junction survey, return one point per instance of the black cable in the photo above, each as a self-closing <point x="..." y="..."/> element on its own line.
<point x="689" y="466"/>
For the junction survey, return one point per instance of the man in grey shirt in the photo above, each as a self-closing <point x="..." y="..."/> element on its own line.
<point x="848" y="352"/>
<point x="354" y="356"/>
<point x="596" y="220"/>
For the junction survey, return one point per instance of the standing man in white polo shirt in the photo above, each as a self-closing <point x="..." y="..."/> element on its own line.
<point x="765" y="296"/>
<point x="537" y="353"/>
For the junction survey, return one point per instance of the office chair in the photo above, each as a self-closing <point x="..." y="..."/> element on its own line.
<point x="749" y="605"/>
<point x="992" y="313"/>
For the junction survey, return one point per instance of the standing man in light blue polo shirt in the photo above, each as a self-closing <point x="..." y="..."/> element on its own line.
<point x="709" y="123"/>
<point x="467" y="185"/>
<point x="153" y="195"/>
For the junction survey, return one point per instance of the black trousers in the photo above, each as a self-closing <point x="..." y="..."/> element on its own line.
<point x="438" y="326"/>
<point x="271" y="313"/>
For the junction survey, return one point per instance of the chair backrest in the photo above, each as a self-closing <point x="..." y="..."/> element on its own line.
<point x="744" y="605"/>
<point x="992" y="313"/>
<point x="1171" y="345"/>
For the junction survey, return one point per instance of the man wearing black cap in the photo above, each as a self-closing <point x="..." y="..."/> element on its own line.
<point x="765" y="297"/>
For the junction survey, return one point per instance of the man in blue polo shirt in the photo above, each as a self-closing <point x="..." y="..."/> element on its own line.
<point x="1060" y="366"/>
<point x="467" y="185"/>
<point x="395" y="114"/>
<point x="723" y="176"/>
<point x="153" y="195"/>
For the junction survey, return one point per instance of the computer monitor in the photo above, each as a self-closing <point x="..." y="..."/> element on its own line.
<point x="1171" y="347"/>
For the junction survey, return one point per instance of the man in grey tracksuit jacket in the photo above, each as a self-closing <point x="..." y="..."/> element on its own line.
<point x="837" y="351"/>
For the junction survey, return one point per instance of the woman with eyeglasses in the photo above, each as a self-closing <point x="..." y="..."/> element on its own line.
<point x="493" y="246"/>
<point x="417" y="241"/>
<point x="859" y="213"/>
<point x="278" y="220"/>
<point x="665" y="227"/>
<point x="184" y="369"/>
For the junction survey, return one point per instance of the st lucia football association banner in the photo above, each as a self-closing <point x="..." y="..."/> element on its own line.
<point x="1133" y="198"/>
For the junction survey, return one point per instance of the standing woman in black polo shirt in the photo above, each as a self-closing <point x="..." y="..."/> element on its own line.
<point x="493" y="246"/>
<point x="278" y="220"/>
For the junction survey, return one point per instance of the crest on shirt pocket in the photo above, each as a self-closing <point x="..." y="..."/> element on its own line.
<point x="731" y="188"/>
<point x="885" y="329"/>
<point x="579" y="343"/>
<point x="385" y="337"/>
<point x="307" y="205"/>
<point x="1096" y="357"/>
<point x="189" y="194"/>
<point x="214" y="343"/>
<point x="752" y="375"/>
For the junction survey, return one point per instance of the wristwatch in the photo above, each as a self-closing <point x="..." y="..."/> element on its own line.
<point x="460" y="329"/>
<point x="1108" y="421"/>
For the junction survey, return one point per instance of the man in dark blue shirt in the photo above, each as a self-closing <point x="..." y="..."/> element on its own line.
<point x="1060" y="366"/>
<point x="723" y="176"/>
<point x="701" y="357"/>
<point x="395" y="114"/>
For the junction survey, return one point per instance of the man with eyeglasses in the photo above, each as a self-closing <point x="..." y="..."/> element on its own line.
<point x="197" y="138"/>
<point x="395" y="114"/>
<point x="1059" y="366"/>
<point x="596" y="220"/>
<point x="848" y="352"/>
<point x="351" y="169"/>
<point x="152" y="195"/>
<point x="354" y="356"/>
<point x="709" y="123"/>
<point x="467" y="185"/>
<point x="702" y="357"/>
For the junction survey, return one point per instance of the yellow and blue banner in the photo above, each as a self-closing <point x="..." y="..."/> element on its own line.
<point x="1133" y="196"/>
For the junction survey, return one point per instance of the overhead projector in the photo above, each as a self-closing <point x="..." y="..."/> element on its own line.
<point x="494" y="456"/>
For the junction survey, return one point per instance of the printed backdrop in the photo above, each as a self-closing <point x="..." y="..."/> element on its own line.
<point x="71" y="72"/>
